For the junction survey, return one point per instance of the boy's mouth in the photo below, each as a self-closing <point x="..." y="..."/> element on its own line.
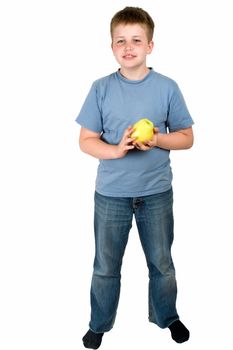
<point x="129" y="56"/>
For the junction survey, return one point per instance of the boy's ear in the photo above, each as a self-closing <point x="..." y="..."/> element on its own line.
<point x="150" y="46"/>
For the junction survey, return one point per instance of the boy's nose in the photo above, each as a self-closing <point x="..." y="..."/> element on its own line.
<point x="128" y="47"/>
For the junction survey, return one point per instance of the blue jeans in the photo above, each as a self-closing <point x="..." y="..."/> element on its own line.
<point x="112" y="223"/>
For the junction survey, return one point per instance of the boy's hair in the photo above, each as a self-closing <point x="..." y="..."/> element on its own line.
<point x="133" y="15"/>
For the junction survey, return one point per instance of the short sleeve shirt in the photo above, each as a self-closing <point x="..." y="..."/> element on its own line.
<point x="112" y="104"/>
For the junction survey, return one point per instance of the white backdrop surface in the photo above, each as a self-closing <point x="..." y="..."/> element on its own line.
<point x="51" y="51"/>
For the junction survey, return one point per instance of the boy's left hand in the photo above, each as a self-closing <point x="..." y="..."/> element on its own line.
<point x="147" y="145"/>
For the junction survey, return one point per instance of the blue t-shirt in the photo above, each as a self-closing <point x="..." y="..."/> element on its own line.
<point x="113" y="104"/>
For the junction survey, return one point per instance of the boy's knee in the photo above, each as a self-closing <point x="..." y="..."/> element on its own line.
<point x="164" y="267"/>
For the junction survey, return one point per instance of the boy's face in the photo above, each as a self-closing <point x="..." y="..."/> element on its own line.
<point x="130" y="45"/>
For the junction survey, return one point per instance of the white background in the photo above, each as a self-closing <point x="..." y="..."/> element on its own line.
<point x="51" y="51"/>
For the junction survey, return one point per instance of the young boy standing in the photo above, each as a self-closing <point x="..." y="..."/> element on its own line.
<point x="134" y="178"/>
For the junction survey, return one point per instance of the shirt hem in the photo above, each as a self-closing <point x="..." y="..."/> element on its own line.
<point x="134" y="194"/>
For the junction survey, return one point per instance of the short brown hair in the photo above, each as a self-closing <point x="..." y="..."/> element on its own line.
<point x="133" y="15"/>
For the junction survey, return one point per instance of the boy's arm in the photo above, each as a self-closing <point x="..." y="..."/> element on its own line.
<point x="181" y="139"/>
<point x="176" y="140"/>
<point x="90" y="142"/>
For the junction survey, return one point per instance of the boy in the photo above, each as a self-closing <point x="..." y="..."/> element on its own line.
<point x="134" y="178"/>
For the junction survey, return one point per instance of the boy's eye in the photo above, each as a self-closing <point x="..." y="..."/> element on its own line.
<point x="137" y="40"/>
<point x="120" y="41"/>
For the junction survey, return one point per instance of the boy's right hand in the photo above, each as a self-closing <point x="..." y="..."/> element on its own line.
<point x="125" y="144"/>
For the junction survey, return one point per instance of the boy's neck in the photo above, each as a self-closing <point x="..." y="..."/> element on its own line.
<point x="134" y="74"/>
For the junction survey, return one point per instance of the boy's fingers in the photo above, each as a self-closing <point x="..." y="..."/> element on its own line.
<point x="130" y="128"/>
<point x="138" y="145"/>
<point x="147" y="142"/>
<point x="128" y="131"/>
<point x="129" y="146"/>
<point x="143" y="146"/>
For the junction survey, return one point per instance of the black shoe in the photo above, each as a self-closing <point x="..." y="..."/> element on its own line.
<point x="179" y="332"/>
<point x="92" y="340"/>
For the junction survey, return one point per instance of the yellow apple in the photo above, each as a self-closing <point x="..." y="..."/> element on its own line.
<point x="143" y="130"/>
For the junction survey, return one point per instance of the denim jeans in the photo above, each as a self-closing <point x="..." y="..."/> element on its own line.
<point x="112" y="223"/>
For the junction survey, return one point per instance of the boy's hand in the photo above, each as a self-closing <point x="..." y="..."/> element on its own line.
<point x="126" y="143"/>
<point x="147" y="145"/>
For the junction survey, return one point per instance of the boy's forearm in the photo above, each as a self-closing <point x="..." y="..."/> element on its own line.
<point x="176" y="140"/>
<point x="98" y="148"/>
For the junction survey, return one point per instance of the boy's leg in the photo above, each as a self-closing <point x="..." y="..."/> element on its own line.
<point x="112" y="222"/>
<point x="154" y="218"/>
